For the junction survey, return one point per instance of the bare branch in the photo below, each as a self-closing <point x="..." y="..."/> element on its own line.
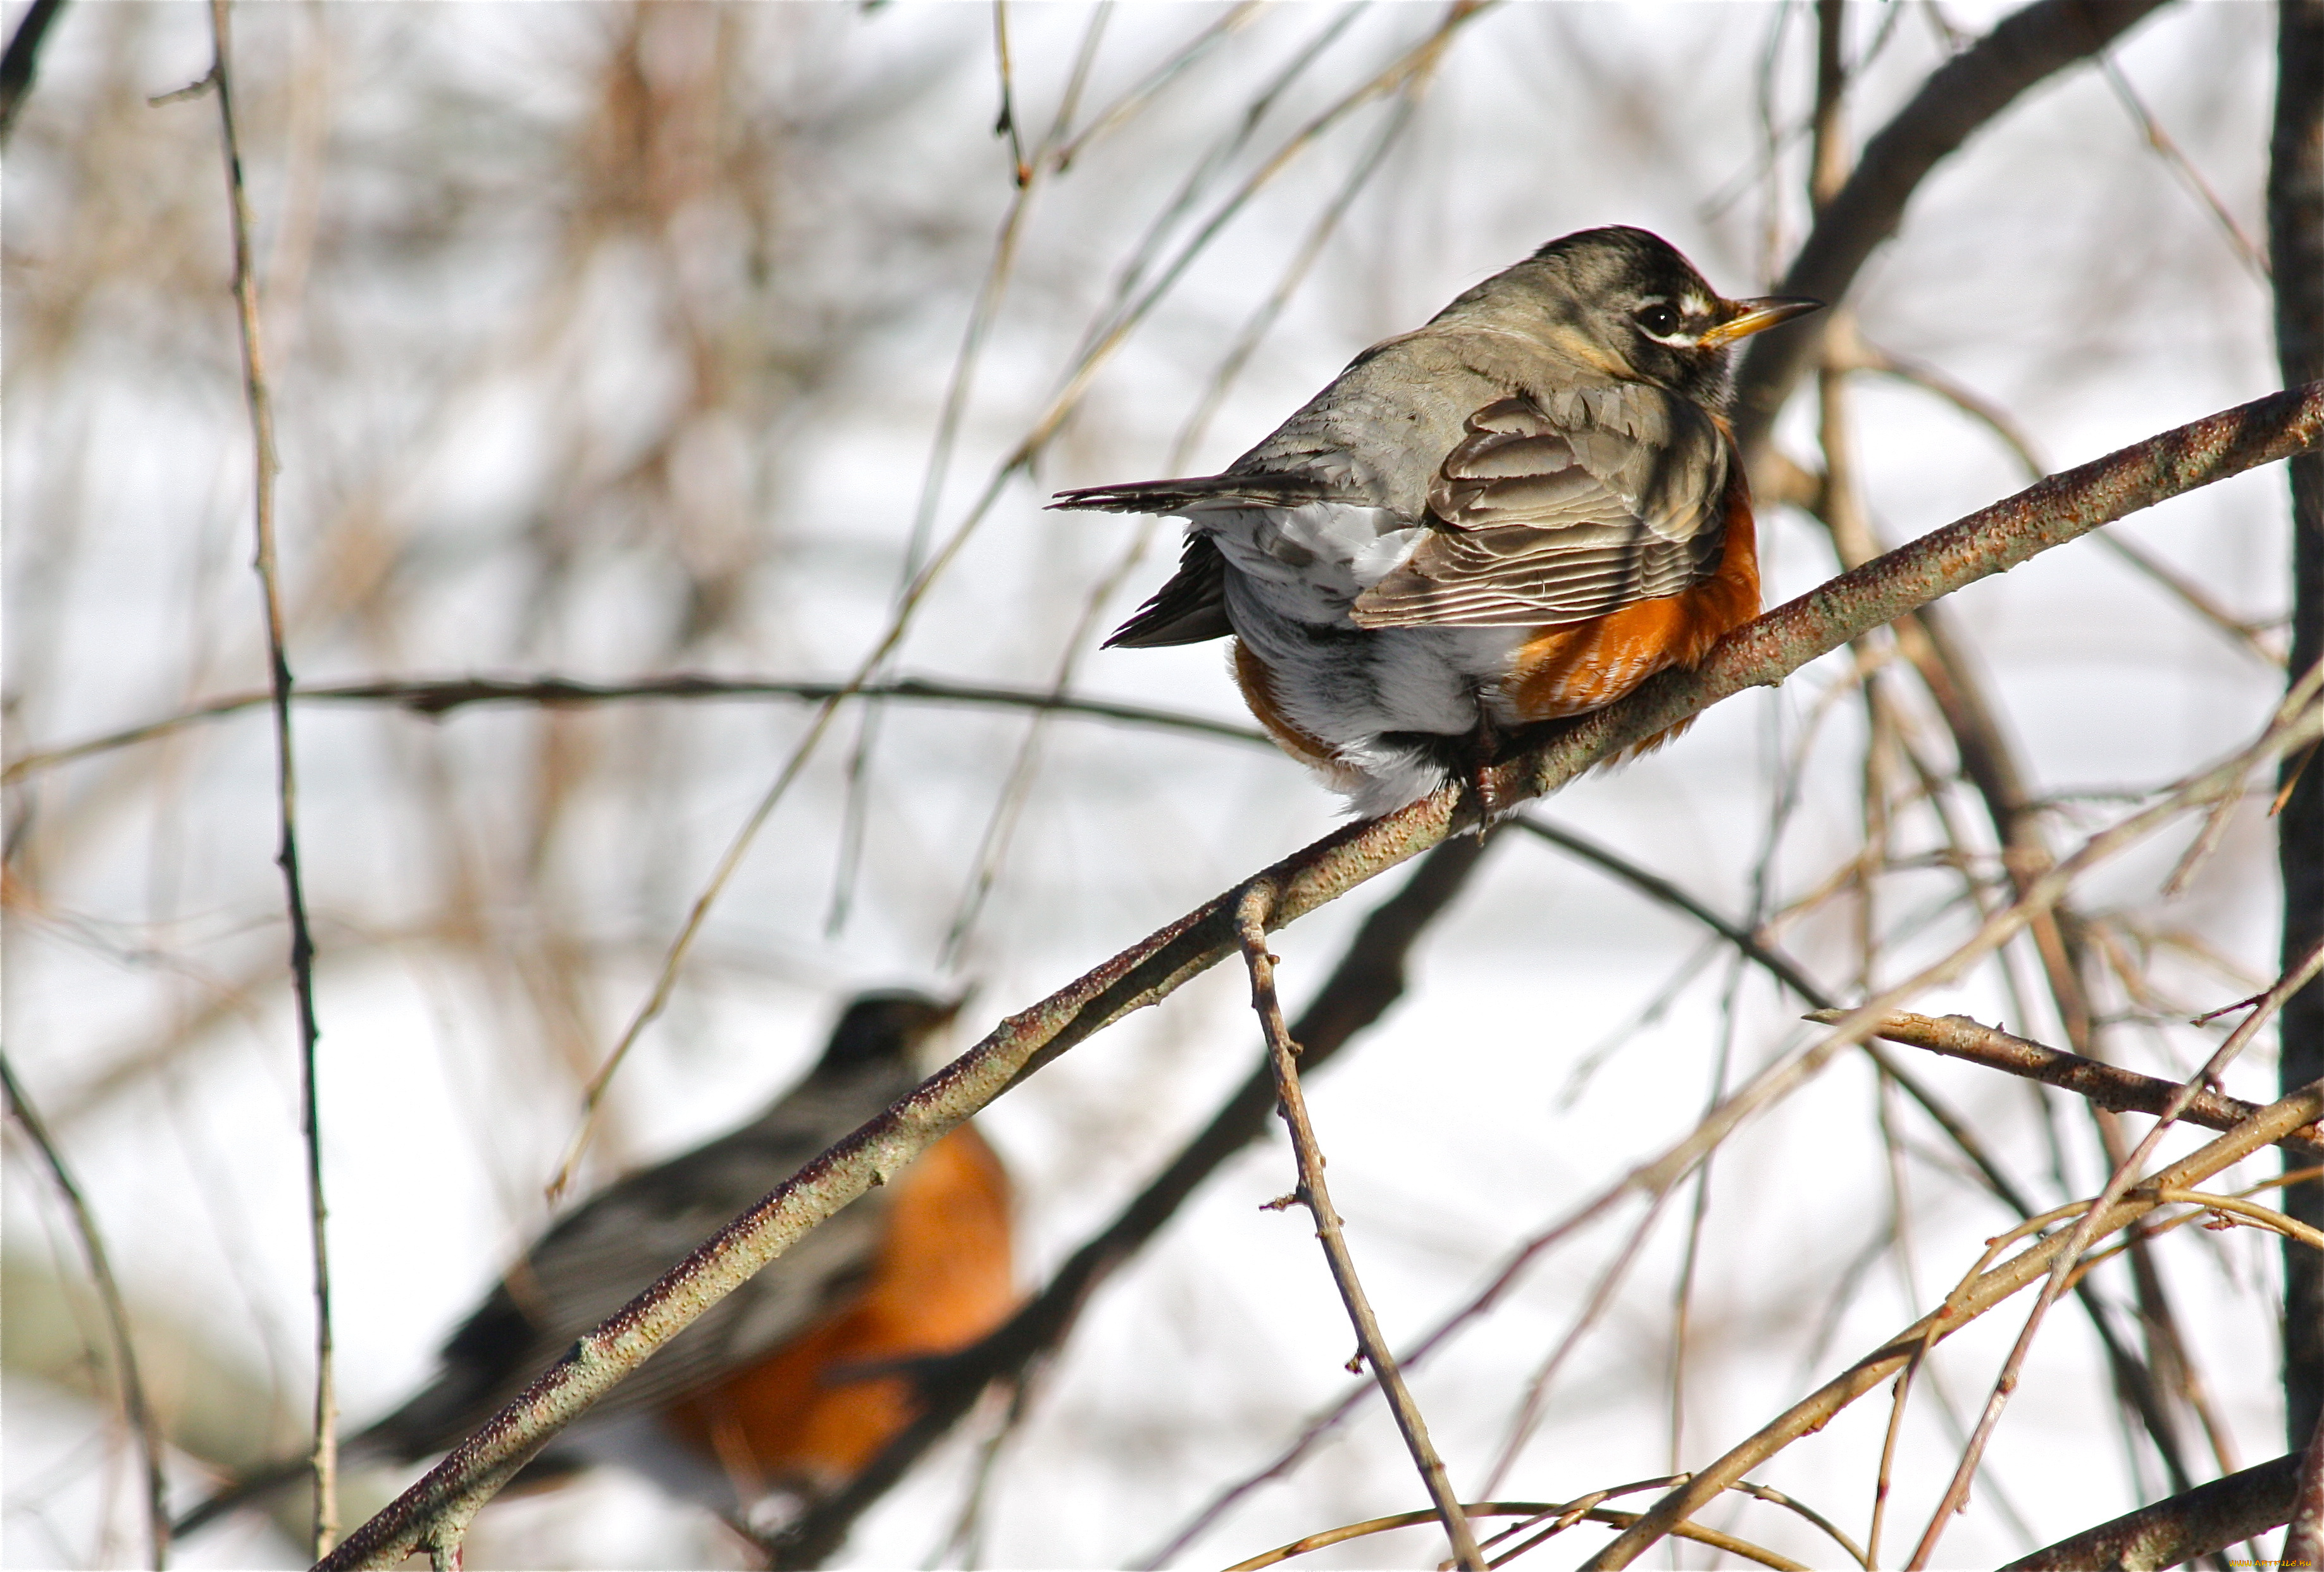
<point x="1980" y="1293"/>
<point x="2295" y="222"/>
<point x="2303" y="1540"/>
<point x="133" y="1404"/>
<point x="1251" y="915"/>
<point x="1958" y="100"/>
<point x="2169" y="1534"/>
<point x="1368" y="980"/>
<point x="1532" y="1509"/>
<point x="265" y="463"/>
<point x="2107" y="1085"/>
<point x="442" y="696"/>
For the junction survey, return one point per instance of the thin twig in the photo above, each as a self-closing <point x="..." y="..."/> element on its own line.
<point x="1139" y="93"/>
<point x="2170" y="153"/>
<point x="1595" y="1514"/>
<point x="2107" y="1085"/>
<point x="435" y="696"/>
<point x="1006" y="124"/>
<point x="264" y="465"/>
<point x="1988" y="1289"/>
<point x="1251" y="914"/>
<point x="134" y="1407"/>
<point x="856" y="811"/>
<point x="1602" y="1297"/>
<point x="1712" y="1536"/>
<point x="1957" y="1492"/>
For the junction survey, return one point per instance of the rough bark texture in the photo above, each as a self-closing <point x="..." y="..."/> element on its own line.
<point x="2170" y="1533"/>
<point x="2295" y="210"/>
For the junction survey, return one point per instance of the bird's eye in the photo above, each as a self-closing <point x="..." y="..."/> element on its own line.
<point x="1659" y="319"/>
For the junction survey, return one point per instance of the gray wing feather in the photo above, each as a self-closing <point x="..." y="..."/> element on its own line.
<point x="612" y="1248"/>
<point x="1558" y="514"/>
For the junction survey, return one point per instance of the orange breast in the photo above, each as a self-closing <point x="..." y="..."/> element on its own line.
<point x="1579" y="667"/>
<point x="943" y="1280"/>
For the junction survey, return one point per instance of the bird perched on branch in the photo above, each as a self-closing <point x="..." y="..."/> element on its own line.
<point x="1514" y="514"/>
<point x="789" y="1383"/>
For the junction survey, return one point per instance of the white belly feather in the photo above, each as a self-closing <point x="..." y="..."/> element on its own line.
<point x="1298" y="572"/>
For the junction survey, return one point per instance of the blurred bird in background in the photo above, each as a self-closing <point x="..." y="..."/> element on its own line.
<point x="788" y="1384"/>
<point x="1517" y="514"/>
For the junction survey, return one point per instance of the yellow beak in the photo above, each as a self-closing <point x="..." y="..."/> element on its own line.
<point x="1758" y="316"/>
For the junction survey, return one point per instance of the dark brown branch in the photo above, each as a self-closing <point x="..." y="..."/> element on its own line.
<point x="2109" y="1086"/>
<point x="2169" y="1534"/>
<point x="22" y="61"/>
<point x="265" y="463"/>
<point x="2295" y="220"/>
<point x="2304" y="1538"/>
<point x="134" y="1407"/>
<point x="1959" y="99"/>
<point x="442" y="696"/>
<point x="1763" y="654"/>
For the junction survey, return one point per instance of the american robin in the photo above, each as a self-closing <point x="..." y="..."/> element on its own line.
<point x="1514" y="514"/>
<point x="779" y="1386"/>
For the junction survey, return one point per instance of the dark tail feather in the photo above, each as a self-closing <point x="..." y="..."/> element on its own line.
<point x="1189" y="608"/>
<point x="1263" y="490"/>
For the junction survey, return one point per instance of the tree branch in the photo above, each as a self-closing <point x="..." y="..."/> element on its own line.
<point x="434" y="696"/>
<point x="265" y="463"/>
<point x="2169" y="1534"/>
<point x="1762" y="654"/>
<point x="1368" y="980"/>
<point x="2123" y="1091"/>
<point x="1972" y="1299"/>
<point x="2304" y="1539"/>
<point x="2295" y="218"/>
<point x="1959" y="99"/>
<point x="134" y="1407"/>
<point x="22" y="60"/>
<point x="1314" y="1194"/>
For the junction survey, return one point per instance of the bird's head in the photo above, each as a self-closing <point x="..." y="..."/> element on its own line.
<point x="887" y="1026"/>
<point x="1626" y="302"/>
